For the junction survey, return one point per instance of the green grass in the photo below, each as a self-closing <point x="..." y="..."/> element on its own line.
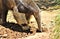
<point x="57" y="1"/>
<point x="56" y="31"/>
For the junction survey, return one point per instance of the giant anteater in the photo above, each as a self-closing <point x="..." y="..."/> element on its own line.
<point x="25" y="6"/>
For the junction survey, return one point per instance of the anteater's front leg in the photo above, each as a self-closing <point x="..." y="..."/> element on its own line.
<point x="37" y="17"/>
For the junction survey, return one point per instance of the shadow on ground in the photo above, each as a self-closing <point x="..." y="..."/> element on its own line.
<point x="16" y="27"/>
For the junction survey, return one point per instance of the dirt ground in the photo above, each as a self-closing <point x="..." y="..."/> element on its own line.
<point x="47" y="22"/>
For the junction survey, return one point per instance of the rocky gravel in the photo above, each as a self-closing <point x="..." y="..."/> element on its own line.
<point x="6" y="33"/>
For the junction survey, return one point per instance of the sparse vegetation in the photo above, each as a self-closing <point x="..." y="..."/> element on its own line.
<point x="56" y="32"/>
<point x="49" y="4"/>
<point x="57" y="1"/>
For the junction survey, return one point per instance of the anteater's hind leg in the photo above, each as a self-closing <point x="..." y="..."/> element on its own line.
<point x="1" y="20"/>
<point x="3" y="17"/>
